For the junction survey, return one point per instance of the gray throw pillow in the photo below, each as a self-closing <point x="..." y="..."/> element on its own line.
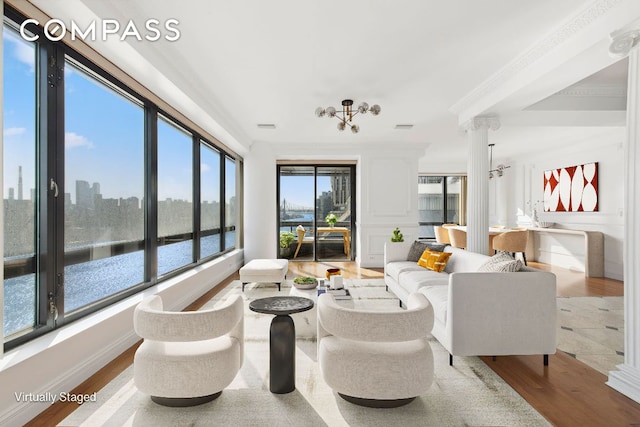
<point x="417" y="248"/>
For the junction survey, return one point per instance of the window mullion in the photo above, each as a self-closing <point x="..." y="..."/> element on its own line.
<point x="197" y="235"/>
<point x="151" y="194"/>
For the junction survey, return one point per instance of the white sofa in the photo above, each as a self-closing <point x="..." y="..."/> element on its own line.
<point x="479" y="313"/>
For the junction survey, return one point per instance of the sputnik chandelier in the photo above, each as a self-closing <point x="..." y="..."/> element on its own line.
<point x="345" y="116"/>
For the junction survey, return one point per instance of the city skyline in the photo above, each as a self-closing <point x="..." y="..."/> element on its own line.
<point x="103" y="138"/>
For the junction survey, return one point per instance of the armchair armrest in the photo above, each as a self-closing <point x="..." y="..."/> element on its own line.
<point x="151" y="322"/>
<point x="375" y="326"/>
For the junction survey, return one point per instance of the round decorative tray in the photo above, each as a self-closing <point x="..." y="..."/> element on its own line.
<point x="304" y="282"/>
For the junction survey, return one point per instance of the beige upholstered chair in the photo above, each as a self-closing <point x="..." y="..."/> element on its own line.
<point x="442" y="234"/>
<point x="376" y="358"/>
<point x="514" y="241"/>
<point x="302" y="238"/>
<point x="458" y="238"/>
<point x="187" y="358"/>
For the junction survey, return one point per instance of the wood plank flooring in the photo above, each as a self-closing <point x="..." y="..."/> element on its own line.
<point x="566" y="393"/>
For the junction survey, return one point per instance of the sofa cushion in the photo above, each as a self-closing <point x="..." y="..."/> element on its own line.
<point x="438" y="297"/>
<point x="412" y="281"/>
<point x="433" y="260"/>
<point x="417" y="248"/>
<point x="394" y="269"/>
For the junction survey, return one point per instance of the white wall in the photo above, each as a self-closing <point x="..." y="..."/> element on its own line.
<point x="61" y="360"/>
<point x="524" y="182"/>
<point x="386" y="194"/>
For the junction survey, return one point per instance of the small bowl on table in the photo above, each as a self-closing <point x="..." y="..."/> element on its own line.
<point x="305" y="282"/>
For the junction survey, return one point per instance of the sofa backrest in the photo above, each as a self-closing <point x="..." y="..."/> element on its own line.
<point x="464" y="261"/>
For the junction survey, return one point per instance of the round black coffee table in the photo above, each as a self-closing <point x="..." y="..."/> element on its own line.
<point x="282" y="338"/>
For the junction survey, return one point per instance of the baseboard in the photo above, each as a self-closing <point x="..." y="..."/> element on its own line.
<point x="22" y="412"/>
<point x="626" y="380"/>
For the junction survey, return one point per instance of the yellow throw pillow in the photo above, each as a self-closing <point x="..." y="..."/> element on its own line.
<point x="433" y="260"/>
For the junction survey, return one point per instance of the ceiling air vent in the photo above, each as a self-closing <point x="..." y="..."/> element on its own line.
<point x="266" y="126"/>
<point x="404" y="127"/>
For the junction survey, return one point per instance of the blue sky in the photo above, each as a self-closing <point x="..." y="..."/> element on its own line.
<point x="103" y="136"/>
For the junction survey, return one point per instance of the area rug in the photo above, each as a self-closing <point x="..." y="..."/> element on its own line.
<point x="467" y="394"/>
<point x="591" y="329"/>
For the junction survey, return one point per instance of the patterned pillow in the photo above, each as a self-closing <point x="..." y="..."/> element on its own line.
<point x="434" y="260"/>
<point x="500" y="256"/>
<point x="501" y="262"/>
<point x="416" y="250"/>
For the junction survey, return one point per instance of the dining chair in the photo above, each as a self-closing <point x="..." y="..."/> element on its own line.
<point x="513" y="241"/>
<point x="458" y="238"/>
<point x="442" y="234"/>
<point x="302" y="238"/>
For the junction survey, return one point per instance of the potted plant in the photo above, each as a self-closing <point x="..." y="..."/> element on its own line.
<point x="286" y="238"/>
<point x="331" y="219"/>
<point x="397" y="236"/>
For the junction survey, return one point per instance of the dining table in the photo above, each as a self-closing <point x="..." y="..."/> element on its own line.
<point x="346" y="236"/>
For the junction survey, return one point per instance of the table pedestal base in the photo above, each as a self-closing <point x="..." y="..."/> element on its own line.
<point x="282" y="361"/>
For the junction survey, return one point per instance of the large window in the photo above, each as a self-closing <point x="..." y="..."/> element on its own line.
<point x="210" y="200"/>
<point x="175" y="190"/>
<point x="230" y="203"/>
<point x="20" y="182"/>
<point x="104" y="186"/>
<point x="440" y="200"/>
<point x="104" y="195"/>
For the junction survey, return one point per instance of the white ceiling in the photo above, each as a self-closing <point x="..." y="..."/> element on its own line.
<point x="249" y="62"/>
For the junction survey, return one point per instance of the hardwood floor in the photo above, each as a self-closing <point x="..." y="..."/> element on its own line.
<point x="566" y="393"/>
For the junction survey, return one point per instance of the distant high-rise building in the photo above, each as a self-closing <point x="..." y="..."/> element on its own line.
<point x="19" y="182"/>
<point x="11" y="193"/>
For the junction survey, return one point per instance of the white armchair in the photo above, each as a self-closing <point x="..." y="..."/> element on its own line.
<point x="373" y="358"/>
<point x="187" y="358"/>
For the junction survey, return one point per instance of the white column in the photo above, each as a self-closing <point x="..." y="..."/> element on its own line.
<point x="478" y="182"/>
<point x="627" y="378"/>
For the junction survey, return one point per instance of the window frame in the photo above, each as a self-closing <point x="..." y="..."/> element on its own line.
<point x="50" y="127"/>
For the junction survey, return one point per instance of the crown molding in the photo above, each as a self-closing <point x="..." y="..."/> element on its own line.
<point x="568" y="29"/>
<point x="625" y="39"/>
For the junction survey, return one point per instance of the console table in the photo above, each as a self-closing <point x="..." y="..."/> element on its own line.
<point x="586" y="254"/>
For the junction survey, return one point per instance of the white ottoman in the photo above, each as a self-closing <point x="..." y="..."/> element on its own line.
<point x="264" y="270"/>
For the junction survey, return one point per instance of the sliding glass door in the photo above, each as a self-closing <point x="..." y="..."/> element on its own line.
<point x="316" y="212"/>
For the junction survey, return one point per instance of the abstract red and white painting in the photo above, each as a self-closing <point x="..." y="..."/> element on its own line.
<point x="571" y="189"/>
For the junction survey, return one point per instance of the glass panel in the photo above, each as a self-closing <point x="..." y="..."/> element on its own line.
<point x="20" y="178"/>
<point x="175" y="201"/>
<point x="210" y="201"/>
<point x="296" y="208"/>
<point x="230" y="205"/>
<point x="454" y="185"/>
<point x="104" y="188"/>
<point x="430" y="204"/>
<point x="333" y="210"/>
